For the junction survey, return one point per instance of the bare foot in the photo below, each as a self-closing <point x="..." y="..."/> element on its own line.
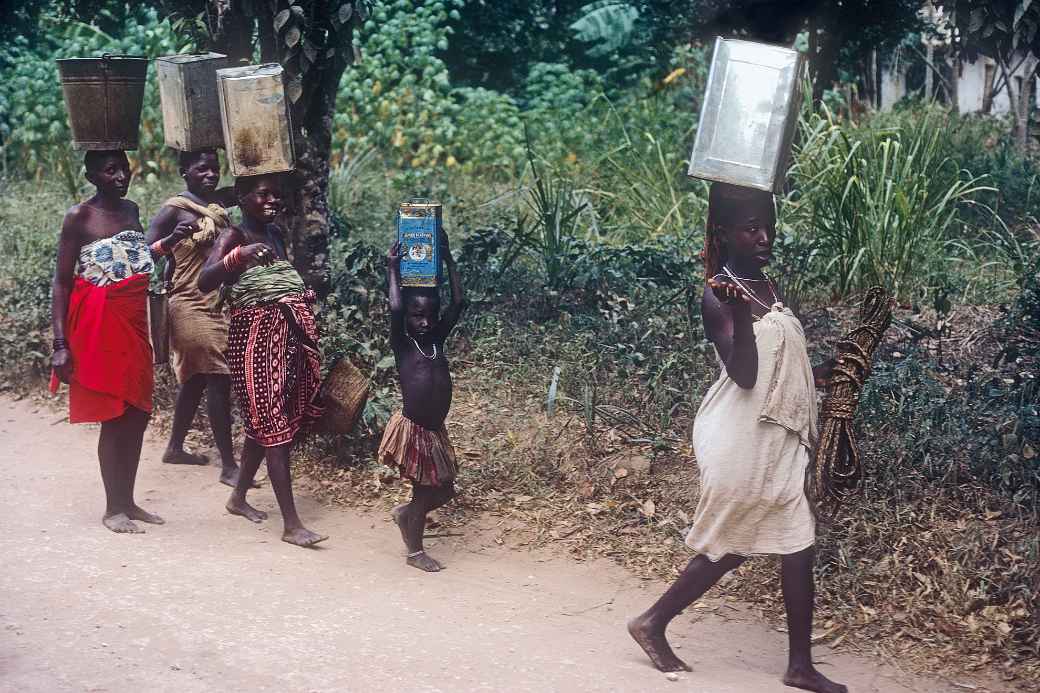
<point x="141" y="515"/>
<point x="121" y="524"/>
<point x="422" y="561"/>
<point x="655" y="645"/>
<point x="812" y="680"/>
<point x="240" y="507"/>
<point x="182" y="457"/>
<point x="303" y="537"/>
<point x="229" y="477"/>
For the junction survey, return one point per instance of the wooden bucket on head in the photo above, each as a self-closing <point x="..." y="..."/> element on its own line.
<point x="344" y="394"/>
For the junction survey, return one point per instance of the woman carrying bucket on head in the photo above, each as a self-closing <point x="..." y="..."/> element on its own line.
<point x="751" y="437"/>
<point x="99" y="295"/>
<point x="184" y="231"/>
<point x="272" y="347"/>
<point x="100" y="322"/>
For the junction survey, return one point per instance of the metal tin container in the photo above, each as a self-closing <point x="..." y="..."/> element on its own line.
<point x="256" y="120"/>
<point x="190" y="104"/>
<point x="418" y="230"/>
<point x="749" y="115"/>
<point x="103" y="97"/>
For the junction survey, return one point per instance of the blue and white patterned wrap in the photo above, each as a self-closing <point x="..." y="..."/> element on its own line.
<point x="111" y="260"/>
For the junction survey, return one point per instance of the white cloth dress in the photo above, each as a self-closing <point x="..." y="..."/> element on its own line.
<point x="752" y="448"/>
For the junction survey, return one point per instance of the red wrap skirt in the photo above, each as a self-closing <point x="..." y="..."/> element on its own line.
<point x="107" y="332"/>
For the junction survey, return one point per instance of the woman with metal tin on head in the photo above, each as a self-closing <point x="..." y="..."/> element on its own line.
<point x="184" y="231"/>
<point x="100" y="321"/>
<point x="272" y="347"/>
<point x="752" y="436"/>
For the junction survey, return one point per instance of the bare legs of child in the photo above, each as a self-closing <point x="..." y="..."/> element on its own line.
<point x="648" y="629"/>
<point x="411" y="520"/>
<point x="281" y="481"/>
<point x="218" y="405"/>
<point x="119" y="452"/>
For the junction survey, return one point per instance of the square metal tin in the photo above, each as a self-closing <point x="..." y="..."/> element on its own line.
<point x="749" y="114"/>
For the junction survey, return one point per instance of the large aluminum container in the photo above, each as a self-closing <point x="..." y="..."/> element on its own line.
<point x="257" y="125"/>
<point x="190" y="104"/>
<point x="749" y="115"/>
<point x="104" y="97"/>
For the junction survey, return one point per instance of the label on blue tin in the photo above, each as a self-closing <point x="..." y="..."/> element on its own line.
<point x="420" y="261"/>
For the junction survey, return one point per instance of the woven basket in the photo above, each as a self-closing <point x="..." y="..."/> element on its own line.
<point x="344" y="394"/>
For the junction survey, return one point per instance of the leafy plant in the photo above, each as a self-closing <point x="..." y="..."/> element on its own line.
<point x="882" y="203"/>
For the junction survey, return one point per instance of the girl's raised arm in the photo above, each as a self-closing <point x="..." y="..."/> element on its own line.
<point x="393" y="283"/>
<point x="729" y="325"/>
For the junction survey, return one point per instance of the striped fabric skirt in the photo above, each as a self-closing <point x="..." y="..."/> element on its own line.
<point x="425" y="457"/>
<point x="275" y="368"/>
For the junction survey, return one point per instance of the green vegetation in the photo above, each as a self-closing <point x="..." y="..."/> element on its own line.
<point x="578" y="235"/>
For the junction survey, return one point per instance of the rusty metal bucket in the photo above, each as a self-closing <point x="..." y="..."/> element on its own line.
<point x="103" y="97"/>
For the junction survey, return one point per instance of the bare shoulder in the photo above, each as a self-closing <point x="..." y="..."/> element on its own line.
<point x="713" y="313"/>
<point x="79" y="212"/>
<point x="76" y="218"/>
<point x="710" y="304"/>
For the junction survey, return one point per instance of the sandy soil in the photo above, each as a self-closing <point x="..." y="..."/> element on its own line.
<point x="211" y="602"/>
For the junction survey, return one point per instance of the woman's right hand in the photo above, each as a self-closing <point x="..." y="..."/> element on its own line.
<point x="728" y="292"/>
<point x="257" y="254"/>
<point x="183" y="230"/>
<point x="61" y="362"/>
<point x="393" y="256"/>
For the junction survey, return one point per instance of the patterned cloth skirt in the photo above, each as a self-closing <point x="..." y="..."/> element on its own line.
<point x="275" y="368"/>
<point x="425" y="457"/>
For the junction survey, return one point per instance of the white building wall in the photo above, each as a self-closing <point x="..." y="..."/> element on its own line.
<point x="893" y="87"/>
<point x="970" y="87"/>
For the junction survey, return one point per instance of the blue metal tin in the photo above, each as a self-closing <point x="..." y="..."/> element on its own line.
<point x="418" y="230"/>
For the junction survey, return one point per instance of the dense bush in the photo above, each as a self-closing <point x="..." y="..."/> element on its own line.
<point x="882" y="203"/>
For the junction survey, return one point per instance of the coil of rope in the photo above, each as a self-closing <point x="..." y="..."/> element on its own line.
<point x="837" y="470"/>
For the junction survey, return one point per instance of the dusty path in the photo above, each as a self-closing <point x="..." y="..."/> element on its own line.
<point x="210" y="602"/>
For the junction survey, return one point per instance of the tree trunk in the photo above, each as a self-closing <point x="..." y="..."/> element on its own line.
<point x="233" y="31"/>
<point x="989" y="75"/>
<point x="929" y="78"/>
<point x="1026" y="100"/>
<point x="955" y="79"/>
<point x="312" y="122"/>
<point x="307" y="216"/>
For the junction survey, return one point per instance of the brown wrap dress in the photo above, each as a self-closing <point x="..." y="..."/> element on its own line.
<point x="198" y="326"/>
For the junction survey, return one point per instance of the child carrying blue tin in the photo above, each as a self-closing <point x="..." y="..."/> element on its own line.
<point x="416" y="440"/>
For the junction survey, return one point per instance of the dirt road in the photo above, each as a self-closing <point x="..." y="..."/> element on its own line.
<point x="211" y="602"/>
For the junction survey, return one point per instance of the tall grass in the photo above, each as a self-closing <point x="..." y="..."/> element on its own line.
<point x="883" y="203"/>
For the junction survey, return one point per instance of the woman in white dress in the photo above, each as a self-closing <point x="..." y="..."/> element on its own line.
<point x="752" y="436"/>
